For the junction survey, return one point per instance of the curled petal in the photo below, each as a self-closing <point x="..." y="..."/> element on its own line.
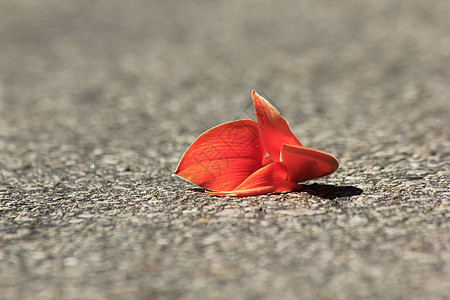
<point x="274" y="130"/>
<point x="223" y="157"/>
<point x="305" y="163"/>
<point x="268" y="179"/>
<point x="267" y="160"/>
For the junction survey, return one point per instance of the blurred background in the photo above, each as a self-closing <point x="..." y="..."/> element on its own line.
<point x="187" y="66"/>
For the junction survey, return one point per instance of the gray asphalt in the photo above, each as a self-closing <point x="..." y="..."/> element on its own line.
<point x="99" y="100"/>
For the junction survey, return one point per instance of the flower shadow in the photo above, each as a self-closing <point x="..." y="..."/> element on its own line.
<point x="330" y="192"/>
<point x="324" y="191"/>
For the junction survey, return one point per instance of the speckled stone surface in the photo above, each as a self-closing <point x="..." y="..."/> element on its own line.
<point x="99" y="100"/>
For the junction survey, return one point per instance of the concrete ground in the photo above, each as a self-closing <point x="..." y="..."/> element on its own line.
<point x="99" y="100"/>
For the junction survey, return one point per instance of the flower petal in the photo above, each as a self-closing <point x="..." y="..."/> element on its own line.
<point x="244" y="193"/>
<point x="305" y="163"/>
<point x="224" y="156"/>
<point x="268" y="179"/>
<point x="274" y="130"/>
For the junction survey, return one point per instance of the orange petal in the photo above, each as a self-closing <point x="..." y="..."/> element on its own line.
<point x="268" y="179"/>
<point x="274" y="130"/>
<point x="305" y="163"/>
<point x="224" y="156"/>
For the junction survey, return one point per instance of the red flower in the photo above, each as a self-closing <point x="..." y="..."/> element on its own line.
<point x="245" y="158"/>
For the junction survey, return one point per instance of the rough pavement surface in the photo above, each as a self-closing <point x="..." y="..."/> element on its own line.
<point x="99" y="100"/>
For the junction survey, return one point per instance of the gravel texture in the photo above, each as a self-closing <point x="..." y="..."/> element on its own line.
<point x="99" y="100"/>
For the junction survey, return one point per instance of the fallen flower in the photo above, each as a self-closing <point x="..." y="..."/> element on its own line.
<point x="247" y="158"/>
